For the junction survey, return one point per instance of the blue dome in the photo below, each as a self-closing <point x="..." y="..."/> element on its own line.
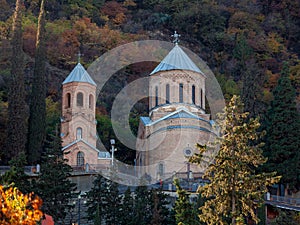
<point x="177" y="59"/>
<point x="79" y="74"/>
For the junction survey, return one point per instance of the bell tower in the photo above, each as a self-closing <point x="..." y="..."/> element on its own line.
<point x="78" y="124"/>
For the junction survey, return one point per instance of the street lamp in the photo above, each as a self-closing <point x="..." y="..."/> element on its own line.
<point x="79" y="198"/>
<point x="113" y="149"/>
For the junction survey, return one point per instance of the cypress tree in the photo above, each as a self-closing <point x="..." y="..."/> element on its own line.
<point x="17" y="113"/>
<point x="236" y="189"/>
<point x="283" y="128"/>
<point x="37" y="117"/>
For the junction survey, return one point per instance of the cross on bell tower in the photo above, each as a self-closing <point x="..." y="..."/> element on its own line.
<point x="176" y="37"/>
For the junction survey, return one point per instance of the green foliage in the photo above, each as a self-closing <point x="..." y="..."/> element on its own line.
<point x="16" y="174"/>
<point x="53" y="184"/>
<point x="113" y="203"/>
<point x="283" y="127"/>
<point x="142" y="206"/>
<point x="126" y="214"/>
<point x="184" y="209"/>
<point x="52" y="115"/>
<point x="96" y="199"/>
<point x="286" y="217"/>
<point x="235" y="189"/>
<point x="37" y="114"/>
<point x="17" y="115"/>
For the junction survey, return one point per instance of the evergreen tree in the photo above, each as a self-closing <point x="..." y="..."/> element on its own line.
<point x="164" y="212"/>
<point x="96" y="199"/>
<point x="252" y="89"/>
<point x="126" y="216"/>
<point x="37" y="116"/>
<point x="286" y="217"/>
<point x="112" y="203"/>
<point x="53" y="184"/>
<point x="142" y="205"/>
<point x="283" y="128"/>
<point x="185" y="212"/>
<point x="97" y="220"/>
<point x="17" y="113"/>
<point x="235" y="190"/>
<point x="156" y="212"/>
<point x="16" y="174"/>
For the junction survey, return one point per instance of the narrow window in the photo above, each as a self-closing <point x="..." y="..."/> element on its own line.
<point x="193" y="94"/>
<point x="68" y="100"/>
<point x="79" y="133"/>
<point x="201" y="99"/>
<point x="180" y="92"/>
<point x="91" y="101"/>
<point x="79" y="99"/>
<point x="161" y="169"/>
<point x="80" y="159"/>
<point x="167" y="93"/>
<point x="156" y="96"/>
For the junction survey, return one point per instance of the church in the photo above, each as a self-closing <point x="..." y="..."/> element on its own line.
<point x="177" y="120"/>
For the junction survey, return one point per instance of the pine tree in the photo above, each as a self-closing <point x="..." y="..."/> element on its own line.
<point x="164" y="213"/>
<point x="185" y="213"/>
<point x="235" y="190"/>
<point x="142" y="205"/>
<point x="112" y="203"/>
<point x="252" y="89"/>
<point x="53" y="185"/>
<point x="96" y="196"/>
<point x="16" y="175"/>
<point x="126" y="217"/>
<point x="283" y="128"/>
<point x="17" y="113"/>
<point x="156" y="212"/>
<point x="97" y="220"/>
<point x="37" y="117"/>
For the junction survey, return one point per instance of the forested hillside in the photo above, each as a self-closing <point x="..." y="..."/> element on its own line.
<point x="244" y="42"/>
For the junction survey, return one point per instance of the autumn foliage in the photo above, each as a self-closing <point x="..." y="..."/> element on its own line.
<point x="18" y="208"/>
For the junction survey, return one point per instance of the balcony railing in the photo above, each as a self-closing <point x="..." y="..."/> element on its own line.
<point x="283" y="200"/>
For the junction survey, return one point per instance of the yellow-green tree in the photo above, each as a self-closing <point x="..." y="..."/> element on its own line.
<point x="235" y="189"/>
<point x="19" y="209"/>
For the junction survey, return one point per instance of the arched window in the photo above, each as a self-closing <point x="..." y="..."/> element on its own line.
<point x="79" y="99"/>
<point x="160" y="169"/>
<point x="156" y="96"/>
<point x="91" y="101"/>
<point x="180" y="92"/>
<point x="167" y="93"/>
<point x="193" y="94"/>
<point x="68" y="100"/>
<point x="80" y="159"/>
<point x="79" y="133"/>
<point x="201" y="98"/>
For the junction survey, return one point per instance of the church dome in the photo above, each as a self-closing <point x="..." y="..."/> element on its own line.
<point x="177" y="59"/>
<point x="79" y="74"/>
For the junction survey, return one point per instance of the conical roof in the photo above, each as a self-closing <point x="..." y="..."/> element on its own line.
<point x="177" y="59"/>
<point x="79" y="74"/>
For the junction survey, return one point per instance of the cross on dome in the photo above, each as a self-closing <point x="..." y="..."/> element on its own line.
<point x="78" y="56"/>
